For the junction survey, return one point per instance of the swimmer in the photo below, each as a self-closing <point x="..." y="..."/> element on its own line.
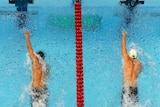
<point x="39" y="89"/>
<point x="131" y="69"/>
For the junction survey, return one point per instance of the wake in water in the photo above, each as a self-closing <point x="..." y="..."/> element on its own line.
<point x="39" y="97"/>
<point x="130" y="96"/>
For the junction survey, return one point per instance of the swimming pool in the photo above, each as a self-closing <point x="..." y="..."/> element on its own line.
<point x="101" y="52"/>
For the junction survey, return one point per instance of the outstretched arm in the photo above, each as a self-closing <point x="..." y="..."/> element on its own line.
<point x="124" y="50"/>
<point x="29" y="45"/>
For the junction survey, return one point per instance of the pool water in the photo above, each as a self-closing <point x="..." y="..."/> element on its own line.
<point x="103" y="76"/>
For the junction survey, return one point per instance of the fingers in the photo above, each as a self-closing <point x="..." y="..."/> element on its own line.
<point x="124" y="33"/>
<point x="27" y="33"/>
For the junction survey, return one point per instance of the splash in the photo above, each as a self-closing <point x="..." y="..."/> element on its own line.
<point x="60" y="102"/>
<point x="130" y="96"/>
<point x="23" y="96"/>
<point x="27" y="63"/>
<point x="39" y="97"/>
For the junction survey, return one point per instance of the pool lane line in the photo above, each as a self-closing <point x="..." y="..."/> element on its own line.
<point x="79" y="55"/>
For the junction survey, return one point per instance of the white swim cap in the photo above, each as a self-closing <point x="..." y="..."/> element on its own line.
<point x="133" y="54"/>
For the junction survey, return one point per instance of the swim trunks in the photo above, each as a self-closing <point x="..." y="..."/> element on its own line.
<point x="129" y="96"/>
<point x="39" y="97"/>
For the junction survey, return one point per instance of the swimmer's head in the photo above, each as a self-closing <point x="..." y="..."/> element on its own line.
<point x="41" y="54"/>
<point x="133" y="54"/>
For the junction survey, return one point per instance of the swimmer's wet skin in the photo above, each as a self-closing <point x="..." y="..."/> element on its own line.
<point x="131" y="69"/>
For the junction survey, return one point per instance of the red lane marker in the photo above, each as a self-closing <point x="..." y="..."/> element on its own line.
<point x="79" y="55"/>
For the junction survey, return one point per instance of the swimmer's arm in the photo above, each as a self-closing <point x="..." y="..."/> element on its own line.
<point x="29" y="45"/>
<point x="124" y="50"/>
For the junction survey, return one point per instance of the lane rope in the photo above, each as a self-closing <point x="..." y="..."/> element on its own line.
<point x="79" y="55"/>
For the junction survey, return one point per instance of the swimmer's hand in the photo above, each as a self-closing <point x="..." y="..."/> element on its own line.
<point x="124" y="33"/>
<point x="27" y="34"/>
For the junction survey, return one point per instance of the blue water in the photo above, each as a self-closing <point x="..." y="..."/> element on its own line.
<point x="103" y="75"/>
